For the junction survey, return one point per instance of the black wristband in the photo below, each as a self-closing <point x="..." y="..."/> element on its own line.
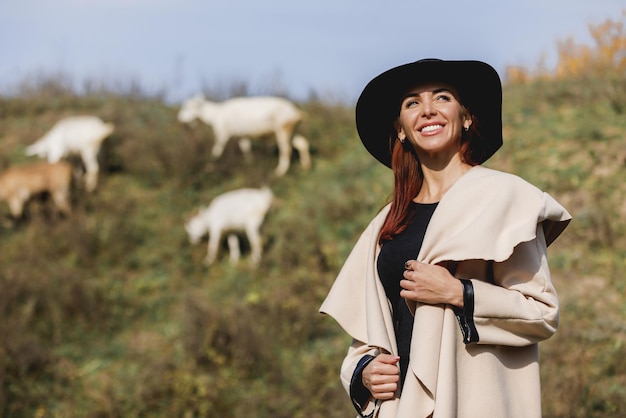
<point x="465" y="316"/>
<point x="359" y="394"/>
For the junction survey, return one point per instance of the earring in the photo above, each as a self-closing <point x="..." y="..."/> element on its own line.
<point x="401" y="139"/>
<point x="466" y="128"/>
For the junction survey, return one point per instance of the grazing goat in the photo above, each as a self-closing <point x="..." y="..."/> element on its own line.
<point x="18" y="184"/>
<point x="81" y="135"/>
<point x="248" y="117"/>
<point x="238" y="210"/>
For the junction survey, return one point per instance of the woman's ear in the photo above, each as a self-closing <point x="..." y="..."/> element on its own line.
<point x="467" y="121"/>
<point x="400" y="132"/>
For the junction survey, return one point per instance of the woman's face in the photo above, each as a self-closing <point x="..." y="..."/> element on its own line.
<point x="432" y="119"/>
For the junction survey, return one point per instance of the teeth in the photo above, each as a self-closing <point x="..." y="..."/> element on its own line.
<point x="430" y="128"/>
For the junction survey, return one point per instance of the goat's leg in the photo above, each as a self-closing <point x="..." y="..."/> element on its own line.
<point x="61" y="200"/>
<point x="16" y="206"/>
<point x="302" y="145"/>
<point x="233" y="248"/>
<point x="220" y="142"/>
<point x="256" y="245"/>
<point x="90" y="159"/>
<point x="245" y="146"/>
<point x="214" y="241"/>
<point x="284" y="150"/>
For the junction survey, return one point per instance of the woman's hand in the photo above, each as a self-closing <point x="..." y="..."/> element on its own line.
<point x="381" y="376"/>
<point x="431" y="284"/>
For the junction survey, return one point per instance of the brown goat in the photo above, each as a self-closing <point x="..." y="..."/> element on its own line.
<point x="18" y="184"/>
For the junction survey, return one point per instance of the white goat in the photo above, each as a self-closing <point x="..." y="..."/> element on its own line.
<point x="248" y="117"/>
<point x="18" y="184"/>
<point x="81" y="135"/>
<point x="238" y="210"/>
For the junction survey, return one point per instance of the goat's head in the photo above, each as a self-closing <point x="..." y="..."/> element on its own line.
<point x="190" y="109"/>
<point x="39" y="149"/>
<point x="196" y="228"/>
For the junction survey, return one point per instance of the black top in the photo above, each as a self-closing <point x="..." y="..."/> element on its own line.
<point x="405" y="246"/>
<point x="390" y="265"/>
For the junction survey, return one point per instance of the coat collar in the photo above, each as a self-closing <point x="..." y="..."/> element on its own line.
<point x="484" y="215"/>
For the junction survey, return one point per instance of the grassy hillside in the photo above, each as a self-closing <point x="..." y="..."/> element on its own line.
<point x="110" y="312"/>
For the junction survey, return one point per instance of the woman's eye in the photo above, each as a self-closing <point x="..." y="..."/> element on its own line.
<point x="443" y="97"/>
<point x="410" y="103"/>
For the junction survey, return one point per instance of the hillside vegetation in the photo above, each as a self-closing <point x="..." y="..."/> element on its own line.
<point x="110" y="313"/>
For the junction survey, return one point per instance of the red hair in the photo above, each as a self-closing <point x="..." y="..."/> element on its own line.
<point x="408" y="178"/>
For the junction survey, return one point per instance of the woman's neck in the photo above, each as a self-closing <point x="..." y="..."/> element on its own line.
<point x="437" y="181"/>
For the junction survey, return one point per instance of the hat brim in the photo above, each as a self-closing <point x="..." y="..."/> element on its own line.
<point x="477" y="83"/>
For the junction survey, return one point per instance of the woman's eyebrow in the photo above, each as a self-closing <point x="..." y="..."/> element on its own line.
<point x="435" y="91"/>
<point x="406" y="96"/>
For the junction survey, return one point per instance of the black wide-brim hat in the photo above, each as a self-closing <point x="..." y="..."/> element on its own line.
<point x="477" y="83"/>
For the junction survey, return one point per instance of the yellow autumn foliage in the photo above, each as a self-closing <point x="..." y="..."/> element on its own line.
<point x="607" y="55"/>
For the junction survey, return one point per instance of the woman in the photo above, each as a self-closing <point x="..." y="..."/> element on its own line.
<point x="447" y="292"/>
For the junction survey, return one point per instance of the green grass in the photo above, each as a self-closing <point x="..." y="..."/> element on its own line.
<point x="110" y="312"/>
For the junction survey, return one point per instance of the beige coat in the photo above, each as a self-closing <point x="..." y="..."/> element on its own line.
<point x="485" y="215"/>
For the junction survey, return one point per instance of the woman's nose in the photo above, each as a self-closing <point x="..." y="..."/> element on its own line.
<point x="428" y="109"/>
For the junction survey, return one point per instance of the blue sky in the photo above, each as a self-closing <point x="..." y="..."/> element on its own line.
<point x="332" y="47"/>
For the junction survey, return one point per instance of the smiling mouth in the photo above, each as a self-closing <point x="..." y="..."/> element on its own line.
<point x="430" y="128"/>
